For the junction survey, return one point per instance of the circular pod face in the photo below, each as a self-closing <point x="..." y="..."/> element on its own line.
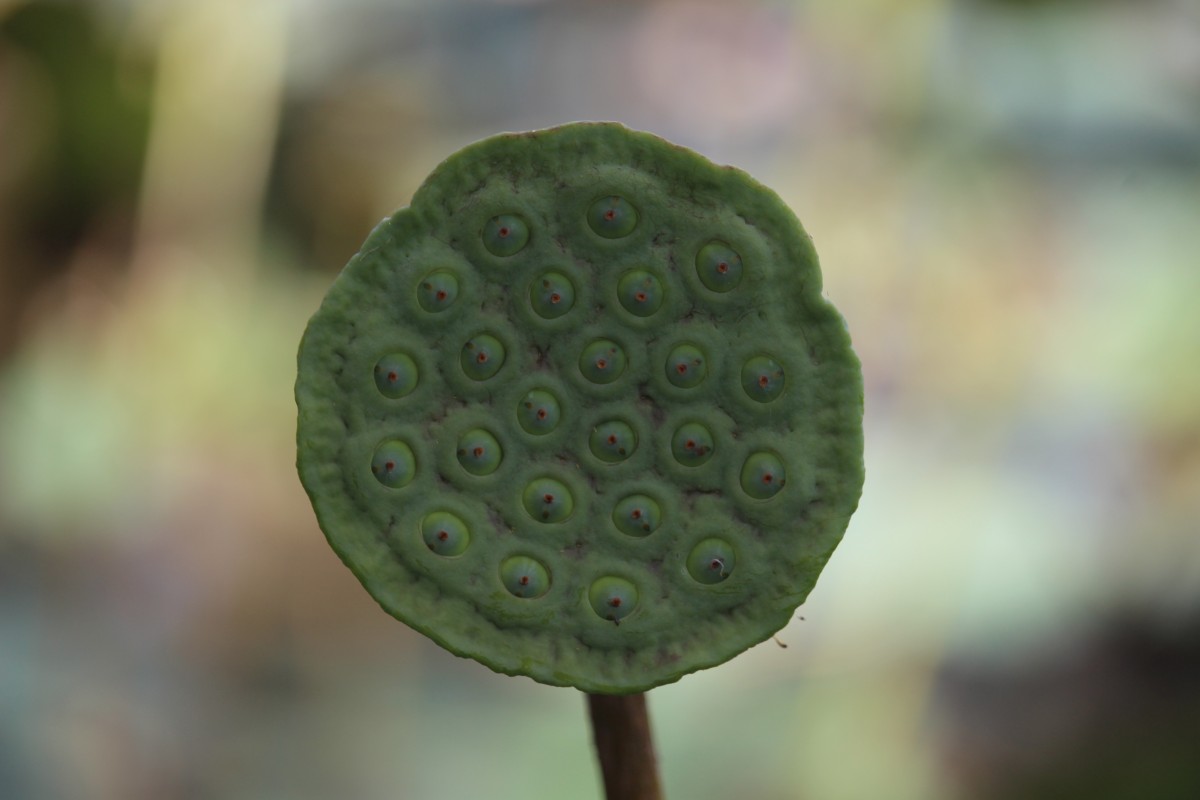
<point x="582" y="413"/>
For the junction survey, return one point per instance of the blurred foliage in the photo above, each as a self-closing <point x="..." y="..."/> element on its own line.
<point x="1004" y="196"/>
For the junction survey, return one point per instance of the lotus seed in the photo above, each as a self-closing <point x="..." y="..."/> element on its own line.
<point x="640" y="292"/>
<point x="479" y="452"/>
<point x="763" y="475"/>
<point x="637" y="515"/>
<point x="395" y="375"/>
<point x="525" y="577"/>
<point x="762" y="379"/>
<point x="481" y="357"/>
<point x="612" y="217"/>
<point x="505" y="235"/>
<point x="613" y="441"/>
<point x="719" y="267"/>
<point x="602" y="361"/>
<point x="711" y="561"/>
<point x="393" y="464"/>
<point x="692" y="444"/>
<point x="539" y="412"/>
<point x="445" y="534"/>
<point x="686" y="366"/>
<point x="548" y="500"/>
<point x="613" y="598"/>
<point x="551" y="295"/>
<point x="437" y="291"/>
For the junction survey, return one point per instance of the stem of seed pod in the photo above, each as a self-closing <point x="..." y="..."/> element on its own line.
<point x="621" y="731"/>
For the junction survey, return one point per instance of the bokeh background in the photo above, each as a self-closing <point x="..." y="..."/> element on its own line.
<point x="1006" y="199"/>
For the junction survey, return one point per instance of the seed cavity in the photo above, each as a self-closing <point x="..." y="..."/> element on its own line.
<point x="763" y="475"/>
<point x="547" y="500"/>
<point x="637" y="515"/>
<point x="478" y="452"/>
<point x="692" y="444"/>
<point x="612" y="217"/>
<point x="686" y="366"/>
<point x="505" y="235"/>
<point x="711" y="561"/>
<point x="640" y="292"/>
<point x="524" y="577"/>
<point x="613" y="441"/>
<point x="437" y="291"/>
<point x="396" y="375"/>
<point x="613" y="598"/>
<point x="602" y="361"/>
<point x="539" y="412"/>
<point x="762" y="379"/>
<point x="393" y="464"/>
<point x="445" y="534"/>
<point x="482" y="357"/>
<point x="551" y="295"/>
<point x="719" y="266"/>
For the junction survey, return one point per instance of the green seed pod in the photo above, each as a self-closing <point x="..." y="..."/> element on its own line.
<point x="505" y="235"/>
<point x="395" y="375"/>
<point x="640" y="292"/>
<point x="612" y="217"/>
<point x="547" y="500"/>
<point x="686" y="366"/>
<point x="482" y="357"/>
<point x="525" y="577"/>
<point x="613" y="598"/>
<point x="479" y="452"/>
<point x="711" y="561"/>
<point x="763" y="475"/>
<point x="637" y="515"/>
<point x="613" y="441"/>
<point x="551" y="295"/>
<point x="602" y="361"/>
<point x="603" y="290"/>
<point x="445" y="534"/>
<point x="719" y="267"/>
<point x="762" y="379"/>
<point x="692" y="444"/>
<point x="539" y="412"/>
<point x="393" y="464"/>
<point x="437" y="291"/>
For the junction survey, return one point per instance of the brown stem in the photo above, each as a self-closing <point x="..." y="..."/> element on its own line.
<point x="621" y="730"/>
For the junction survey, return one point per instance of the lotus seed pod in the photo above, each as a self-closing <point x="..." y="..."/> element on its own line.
<point x="582" y="413"/>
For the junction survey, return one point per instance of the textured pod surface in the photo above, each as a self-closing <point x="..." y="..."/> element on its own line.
<point x="621" y="398"/>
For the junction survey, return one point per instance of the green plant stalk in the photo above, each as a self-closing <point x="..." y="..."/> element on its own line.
<point x="624" y="746"/>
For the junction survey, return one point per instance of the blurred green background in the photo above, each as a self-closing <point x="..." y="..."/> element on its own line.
<point x="1006" y="200"/>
